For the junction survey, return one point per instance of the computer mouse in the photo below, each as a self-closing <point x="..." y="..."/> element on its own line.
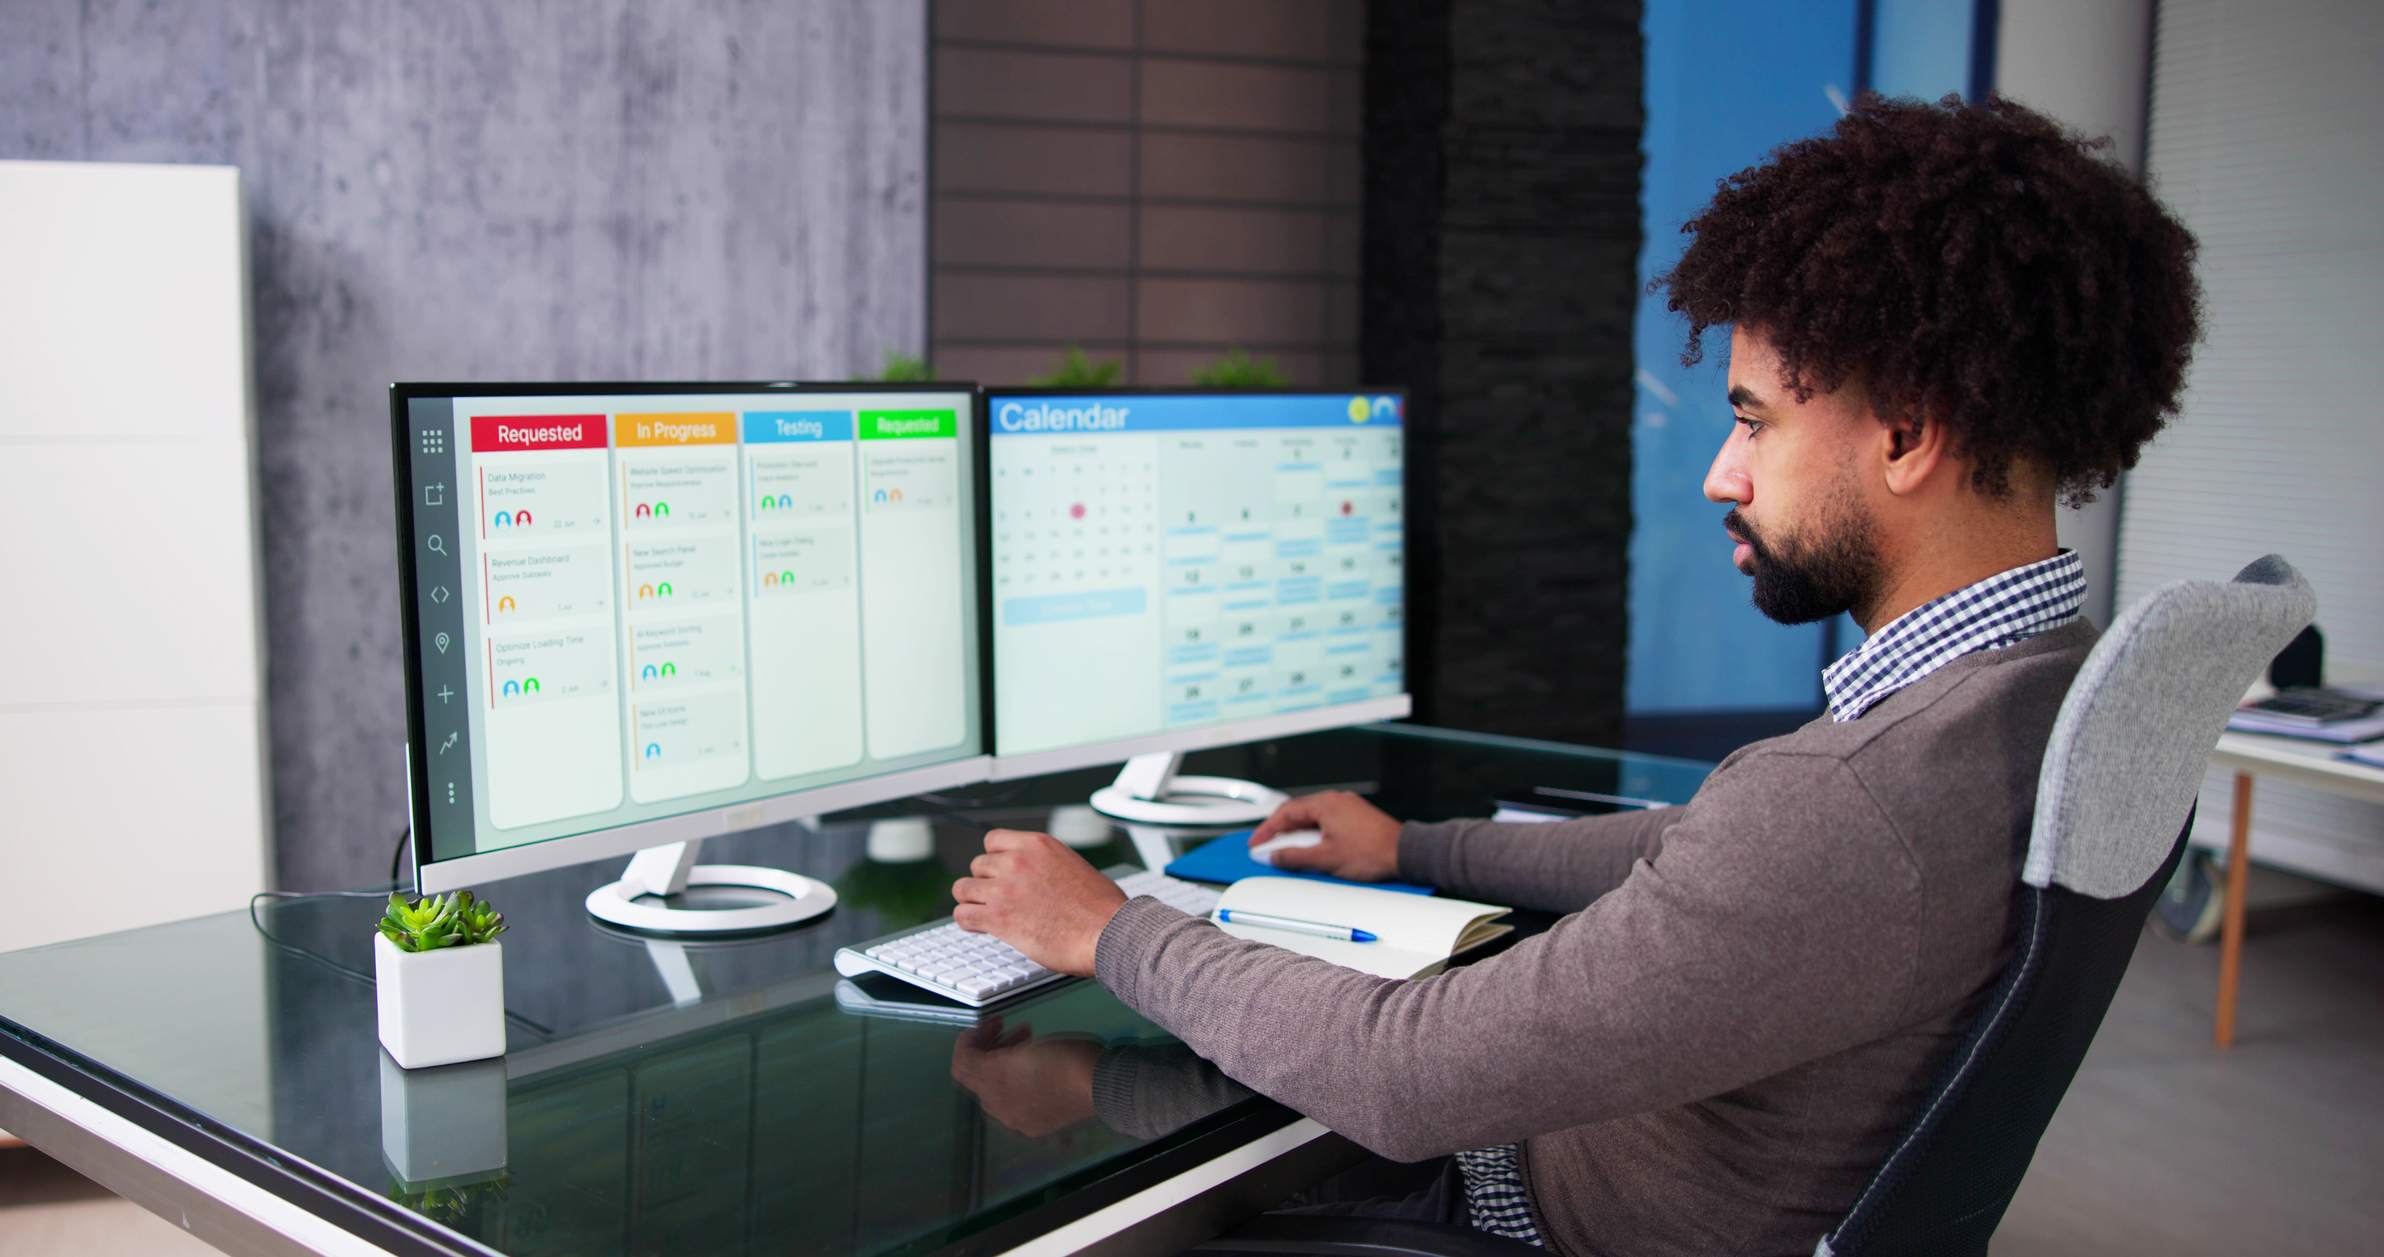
<point x="1264" y="852"/>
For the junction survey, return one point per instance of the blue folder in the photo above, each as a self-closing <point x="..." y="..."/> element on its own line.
<point x="1226" y="858"/>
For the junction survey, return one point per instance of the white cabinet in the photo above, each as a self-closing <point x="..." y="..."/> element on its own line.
<point x="132" y="700"/>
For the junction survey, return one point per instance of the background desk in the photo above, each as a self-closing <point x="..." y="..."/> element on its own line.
<point x="2292" y="759"/>
<point x="697" y="1098"/>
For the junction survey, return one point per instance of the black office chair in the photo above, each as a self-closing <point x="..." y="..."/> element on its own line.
<point x="1947" y="1184"/>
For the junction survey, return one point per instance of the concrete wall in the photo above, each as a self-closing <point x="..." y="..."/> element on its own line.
<point x="1154" y="181"/>
<point x="2086" y="65"/>
<point x="600" y="190"/>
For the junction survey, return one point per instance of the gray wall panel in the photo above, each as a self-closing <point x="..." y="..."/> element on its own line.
<point x="599" y="190"/>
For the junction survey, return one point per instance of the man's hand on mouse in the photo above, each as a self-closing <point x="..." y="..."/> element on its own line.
<point x="1038" y="896"/>
<point x="1360" y="841"/>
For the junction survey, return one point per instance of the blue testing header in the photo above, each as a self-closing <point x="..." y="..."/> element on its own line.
<point x="1024" y="414"/>
<point x="766" y="427"/>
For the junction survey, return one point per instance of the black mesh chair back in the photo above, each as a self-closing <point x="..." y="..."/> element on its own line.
<point x="1946" y="1186"/>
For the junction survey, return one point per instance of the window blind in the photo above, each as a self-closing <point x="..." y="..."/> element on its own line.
<point x="2265" y="139"/>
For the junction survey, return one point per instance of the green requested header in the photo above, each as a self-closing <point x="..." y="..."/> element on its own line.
<point x="892" y="425"/>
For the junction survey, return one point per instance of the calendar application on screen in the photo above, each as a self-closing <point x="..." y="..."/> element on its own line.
<point x="1164" y="561"/>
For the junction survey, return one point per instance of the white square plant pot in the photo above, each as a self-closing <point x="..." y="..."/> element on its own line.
<point x="440" y="1007"/>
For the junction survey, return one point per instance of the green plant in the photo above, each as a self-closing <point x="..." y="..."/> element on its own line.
<point x="902" y="368"/>
<point x="450" y="1203"/>
<point x="1078" y="371"/>
<point x="450" y="920"/>
<point x="1239" y="370"/>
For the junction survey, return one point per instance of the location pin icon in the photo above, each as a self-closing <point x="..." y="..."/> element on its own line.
<point x="441" y="642"/>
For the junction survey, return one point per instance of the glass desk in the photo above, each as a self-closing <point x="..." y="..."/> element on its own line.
<point x="700" y="1098"/>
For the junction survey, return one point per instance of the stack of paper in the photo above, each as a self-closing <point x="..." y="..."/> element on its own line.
<point x="2368" y="753"/>
<point x="2359" y="730"/>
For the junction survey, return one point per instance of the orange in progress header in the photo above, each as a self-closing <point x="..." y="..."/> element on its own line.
<point x="701" y="428"/>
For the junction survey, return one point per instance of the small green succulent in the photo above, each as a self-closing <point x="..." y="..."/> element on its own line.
<point x="450" y="920"/>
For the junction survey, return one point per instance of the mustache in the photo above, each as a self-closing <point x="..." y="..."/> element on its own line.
<point x="1741" y="527"/>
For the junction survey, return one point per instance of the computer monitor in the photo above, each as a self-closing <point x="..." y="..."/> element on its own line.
<point x="1180" y="569"/>
<point x="639" y="615"/>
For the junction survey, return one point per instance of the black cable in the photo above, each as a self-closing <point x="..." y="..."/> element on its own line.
<point x="947" y="804"/>
<point x="316" y="956"/>
<point x="326" y="961"/>
<point x="313" y="894"/>
<point x="400" y="852"/>
<point x="954" y="810"/>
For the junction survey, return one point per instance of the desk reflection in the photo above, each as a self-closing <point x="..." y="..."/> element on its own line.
<point x="1038" y="1087"/>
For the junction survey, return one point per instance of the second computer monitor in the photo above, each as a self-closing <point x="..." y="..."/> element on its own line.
<point x="1181" y="569"/>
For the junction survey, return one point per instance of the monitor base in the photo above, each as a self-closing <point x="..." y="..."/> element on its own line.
<point x="671" y="870"/>
<point x="1148" y="790"/>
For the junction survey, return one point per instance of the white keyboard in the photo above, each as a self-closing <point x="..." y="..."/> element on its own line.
<point x="979" y="969"/>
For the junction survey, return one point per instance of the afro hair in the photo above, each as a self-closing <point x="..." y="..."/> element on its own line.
<point x="1975" y="265"/>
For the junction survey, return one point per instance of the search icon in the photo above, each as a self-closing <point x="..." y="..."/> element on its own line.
<point x="435" y="545"/>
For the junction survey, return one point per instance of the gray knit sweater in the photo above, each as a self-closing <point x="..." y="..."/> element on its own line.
<point x="1750" y="996"/>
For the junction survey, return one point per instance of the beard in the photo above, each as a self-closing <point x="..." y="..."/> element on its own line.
<point x="1802" y="579"/>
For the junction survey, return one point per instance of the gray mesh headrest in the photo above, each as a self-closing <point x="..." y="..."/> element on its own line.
<point x="2128" y="751"/>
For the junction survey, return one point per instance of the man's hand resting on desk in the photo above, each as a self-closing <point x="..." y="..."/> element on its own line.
<point x="1361" y="841"/>
<point x="1039" y="897"/>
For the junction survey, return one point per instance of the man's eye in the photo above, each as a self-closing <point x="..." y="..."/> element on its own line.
<point x="1752" y="426"/>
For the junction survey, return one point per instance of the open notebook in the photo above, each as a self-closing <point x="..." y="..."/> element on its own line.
<point x="1416" y="934"/>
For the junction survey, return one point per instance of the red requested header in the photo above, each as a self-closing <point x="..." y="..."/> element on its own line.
<point x="537" y="432"/>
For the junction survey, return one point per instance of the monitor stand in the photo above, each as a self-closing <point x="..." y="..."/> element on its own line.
<point x="671" y="870"/>
<point x="1147" y="789"/>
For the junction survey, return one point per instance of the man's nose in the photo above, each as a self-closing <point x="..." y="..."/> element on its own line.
<point x="1726" y="480"/>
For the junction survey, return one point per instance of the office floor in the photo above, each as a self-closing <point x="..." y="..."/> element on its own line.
<point x="2166" y="1145"/>
<point x="49" y="1210"/>
<point x="2163" y="1146"/>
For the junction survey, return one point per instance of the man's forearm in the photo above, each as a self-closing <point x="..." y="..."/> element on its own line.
<point x="1701" y="972"/>
<point x="1559" y="866"/>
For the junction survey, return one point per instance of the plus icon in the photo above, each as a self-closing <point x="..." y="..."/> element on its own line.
<point x="445" y="693"/>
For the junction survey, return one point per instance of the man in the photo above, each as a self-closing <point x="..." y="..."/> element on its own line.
<point x="1943" y="320"/>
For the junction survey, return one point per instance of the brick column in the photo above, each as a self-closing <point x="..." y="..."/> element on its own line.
<point x="1501" y="234"/>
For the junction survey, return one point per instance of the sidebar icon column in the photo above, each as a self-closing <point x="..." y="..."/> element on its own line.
<point x="438" y="544"/>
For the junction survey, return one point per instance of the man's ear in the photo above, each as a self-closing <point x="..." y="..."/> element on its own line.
<point x="1913" y="450"/>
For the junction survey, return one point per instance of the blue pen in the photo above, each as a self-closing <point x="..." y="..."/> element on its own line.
<point x="1316" y="929"/>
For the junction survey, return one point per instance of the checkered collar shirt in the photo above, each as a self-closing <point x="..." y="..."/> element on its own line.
<point x="2005" y="608"/>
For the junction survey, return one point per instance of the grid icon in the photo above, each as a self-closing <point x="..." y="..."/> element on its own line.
<point x="434" y="441"/>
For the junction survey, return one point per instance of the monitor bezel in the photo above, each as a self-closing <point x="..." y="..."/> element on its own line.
<point x="432" y="876"/>
<point x="1197" y="737"/>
